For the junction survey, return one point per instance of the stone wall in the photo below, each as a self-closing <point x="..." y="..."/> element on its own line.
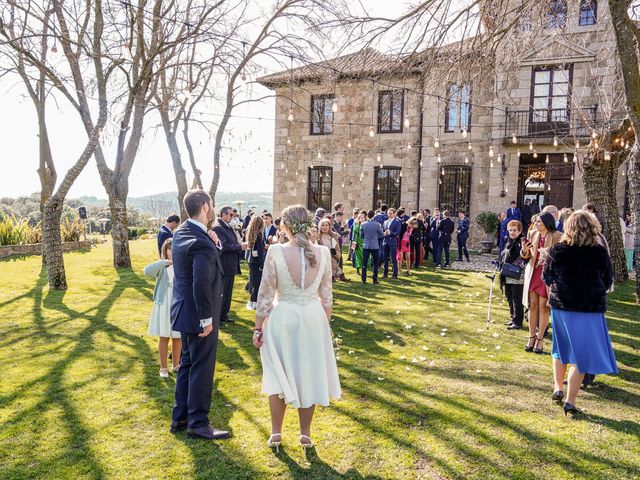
<point x="36" y="248"/>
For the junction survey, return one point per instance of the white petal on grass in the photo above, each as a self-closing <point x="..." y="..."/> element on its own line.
<point x="497" y="347"/>
<point x="422" y="359"/>
<point x="495" y="335"/>
<point x="351" y="352"/>
<point x="414" y="360"/>
<point x="432" y="363"/>
<point x="442" y="334"/>
<point x="402" y="357"/>
<point x="370" y="322"/>
<point x="407" y="369"/>
<point x="380" y="378"/>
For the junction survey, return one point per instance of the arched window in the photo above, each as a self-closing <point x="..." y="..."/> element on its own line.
<point x="588" y="12"/>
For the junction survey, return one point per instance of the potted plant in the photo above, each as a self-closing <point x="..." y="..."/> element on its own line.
<point x="488" y="222"/>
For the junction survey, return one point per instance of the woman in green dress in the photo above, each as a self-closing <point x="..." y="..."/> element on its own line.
<point x="358" y="242"/>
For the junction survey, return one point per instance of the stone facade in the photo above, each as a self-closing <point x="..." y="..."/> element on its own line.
<point x="501" y="104"/>
<point x="36" y="248"/>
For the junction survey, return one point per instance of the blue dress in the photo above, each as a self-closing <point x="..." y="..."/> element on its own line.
<point x="582" y="339"/>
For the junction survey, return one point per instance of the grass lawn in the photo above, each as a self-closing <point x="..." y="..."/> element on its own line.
<point x="428" y="391"/>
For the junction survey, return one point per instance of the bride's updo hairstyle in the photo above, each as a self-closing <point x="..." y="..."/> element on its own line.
<point x="297" y="219"/>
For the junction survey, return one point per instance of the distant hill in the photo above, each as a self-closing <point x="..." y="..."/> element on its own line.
<point x="263" y="200"/>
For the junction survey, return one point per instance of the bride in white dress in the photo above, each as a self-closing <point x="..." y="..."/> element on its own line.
<point x="292" y="327"/>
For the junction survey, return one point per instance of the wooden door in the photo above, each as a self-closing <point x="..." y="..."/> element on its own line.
<point x="559" y="182"/>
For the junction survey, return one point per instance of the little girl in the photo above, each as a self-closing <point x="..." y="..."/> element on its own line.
<point x="160" y="320"/>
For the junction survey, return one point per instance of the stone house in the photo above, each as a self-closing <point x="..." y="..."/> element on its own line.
<point x="366" y="128"/>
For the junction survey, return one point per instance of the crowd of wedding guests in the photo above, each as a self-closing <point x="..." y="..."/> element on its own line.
<point x="554" y="264"/>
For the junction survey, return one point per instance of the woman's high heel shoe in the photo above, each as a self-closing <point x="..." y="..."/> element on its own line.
<point x="529" y="348"/>
<point x="569" y="408"/>
<point x="272" y="443"/>
<point x="308" y="444"/>
<point x="541" y="349"/>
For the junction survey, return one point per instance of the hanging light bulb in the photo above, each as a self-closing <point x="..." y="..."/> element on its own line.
<point x="535" y="154"/>
<point x="349" y="144"/>
<point x="288" y="140"/>
<point x="546" y="159"/>
<point x="464" y="132"/>
<point x="572" y="178"/>
<point x="439" y="158"/>
<point x="371" y="132"/>
<point x="549" y="188"/>
<point x="286" y="170"/>
<point x="491" y="164"/>
<point x="594" y="135"/>
<point x="421" y="163"/>
<point x="439" y="181"/>
<point x="409" y="146"/>
<point x="342" y="185"/>
<point x="290" y="116"/>
<point x="481" y="182"/>
<point x="334" y="107"/>
<point x="490" y="151"/>
<point x="379" y="157"/>
<point x="459" y="189"/>
<point x="401" y="173"/>
<point x="407" y="123"/>
<point x="518" y="153"/>
<point x="443" y="171"/>
<point x="54" y="49"/>
<point x="506" y="189"/>
<point x="436" y="143"/>
<point x="531" y="146"/>
<point x="577" y="144"/>
<point x="466" y="159"/>
<point x="499" y="158"/>
<point x="555" y="141"/>
<point x="514" y="139"/>
<point x="575" y="157"/>
<point x="627" y="146"/>
<point x="282" y="165"/>
<point x="607" y="156"/>
<point x="565" y="159"/>
<point x="319" y="154"/>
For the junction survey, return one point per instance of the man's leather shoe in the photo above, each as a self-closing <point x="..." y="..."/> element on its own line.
<point x="227" y="320"/>
<point x="178" y="426"/>
<point x="207" y="432"/>
<point x="376" y="282"/>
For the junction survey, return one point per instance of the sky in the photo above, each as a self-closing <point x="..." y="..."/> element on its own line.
<point x="247" y="163"/>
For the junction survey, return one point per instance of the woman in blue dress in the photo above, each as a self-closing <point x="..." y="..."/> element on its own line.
<point x="578" y="272"/>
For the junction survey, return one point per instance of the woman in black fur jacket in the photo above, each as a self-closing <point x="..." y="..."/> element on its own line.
<point x="578" y="272"/>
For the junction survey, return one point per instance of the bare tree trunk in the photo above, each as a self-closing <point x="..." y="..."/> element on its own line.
<point x="217" y="149"/>
<point x="197" y="178"/>
<point x="176" y="159"/>
<point x="600" y="184"/>
<point x="46" y="170"/>
<point x="52" y="244"/>
<point x="119" y="227"/>
<point x="634" y="200"/>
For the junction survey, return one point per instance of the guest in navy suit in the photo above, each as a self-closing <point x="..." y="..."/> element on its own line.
<point x="372" y="233"/>
<point x="445" y="229"/>
<point x="256" y="233"/>
<point x="270" y="229"/>
<point x="463" y="236"/>
<point x="392" y="229"/>
<point x="195" y="313"/>
<point x="514" y="212"/>
<point x="434" y="234"/>
<point x="229" y="256"/>
<point x="166" y="231"/>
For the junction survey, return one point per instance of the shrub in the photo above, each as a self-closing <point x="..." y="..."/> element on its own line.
<point x="488" y="222"/>
<point x="71" y="230"/>
<point x="14" y="231"/>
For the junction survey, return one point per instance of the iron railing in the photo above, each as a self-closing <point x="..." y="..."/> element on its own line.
<point x="561" y="122"/>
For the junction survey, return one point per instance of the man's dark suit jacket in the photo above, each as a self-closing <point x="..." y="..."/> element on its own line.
<point x="163" y="234"/>
<point x="197" y="282"/>
<point x="231" y="249"/>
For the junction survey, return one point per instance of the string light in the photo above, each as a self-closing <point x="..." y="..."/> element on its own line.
<point x="594" y="135"/>
<point x="577" y="144"/>
<point x="469" y="147"/>
<point x="491" y="164"/>
<point x="481" y="182"/>
<point x="546" y="159"/>
<point x="607" y="155"/>
<point x="518" y="153"/>
<point x="349" y="144"/>
<point x="514" y="139"/>
<point x="334" y="107"/>
<point x="319" y="154"/>
<point x="439" y="158"/>
<point x="436" y="143"/>
<point x="572" y="178"/>
<point x="531" y="146"/>
<point x="371" y="132"/>
<point x="400" y="172"/>
<point x="466" y="159"/>
<point x="464" y="132"/>
<point x="408" y="145"/>
<point x="535" y="154"/>
<point x="490" y="151"/>
<point x="407" y="123"/>
<point x="379" y="157"/>
<point x="555" y="141"/>
<point x="575" y="157"/>
<point x="565" y="159"/>
<point x="499" y="158"/>
<point x="421" y="163"/>
<point x="288" y="140"/>
<point x="595" y="145"/>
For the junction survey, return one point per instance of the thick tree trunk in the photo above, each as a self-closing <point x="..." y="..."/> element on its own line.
<point x="119" y="229"/>
<point x="52" y="244"/>
<point x="600" y="184"/>
<point x="634" y="200"/>
<point x="197" y="178"/>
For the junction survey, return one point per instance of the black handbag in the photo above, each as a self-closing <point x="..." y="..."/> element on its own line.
<point x="510" y="270"/>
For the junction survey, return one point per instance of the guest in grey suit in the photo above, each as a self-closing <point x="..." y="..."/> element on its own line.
<point x="371" y="232"/>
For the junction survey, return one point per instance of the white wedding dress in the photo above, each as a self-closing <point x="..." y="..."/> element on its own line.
<point x="298" y="360"/>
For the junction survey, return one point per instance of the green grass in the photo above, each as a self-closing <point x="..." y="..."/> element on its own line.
<point x="80" y="395"/>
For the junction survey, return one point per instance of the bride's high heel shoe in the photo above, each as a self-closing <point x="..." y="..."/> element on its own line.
<point x="272" y="443"/>
<point x="308" y="444"/>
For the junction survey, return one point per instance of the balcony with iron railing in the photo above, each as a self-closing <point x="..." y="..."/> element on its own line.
<point x="549" y="123"/>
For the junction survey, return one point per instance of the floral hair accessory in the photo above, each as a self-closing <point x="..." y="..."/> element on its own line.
<point x="300" y="227"/>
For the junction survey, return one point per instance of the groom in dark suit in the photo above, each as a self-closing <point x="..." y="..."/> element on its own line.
<point x="195" y="313"/>
<point x="230" y="253"/>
